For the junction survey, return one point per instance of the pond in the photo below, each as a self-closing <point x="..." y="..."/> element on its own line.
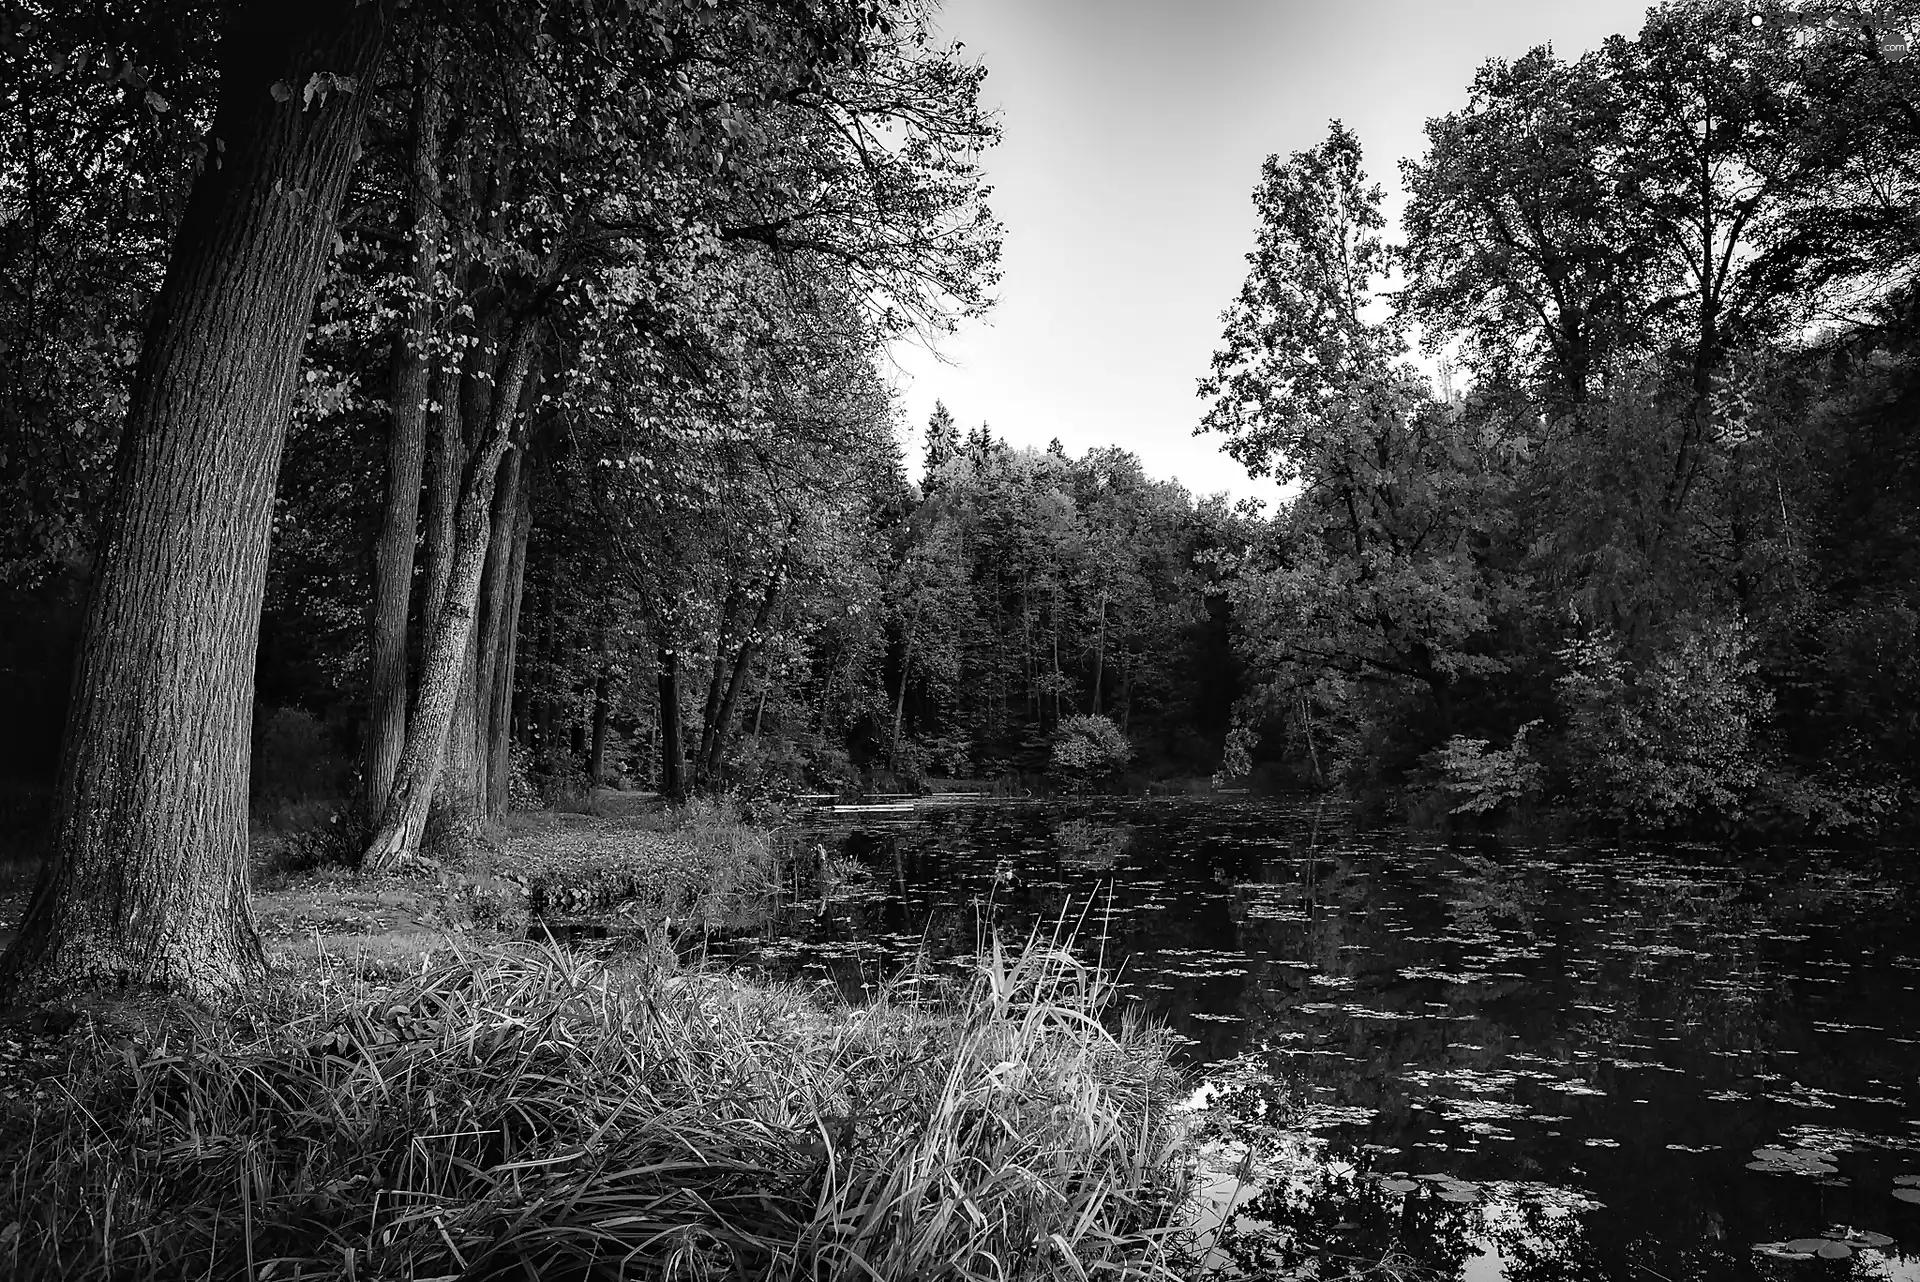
<point x="1490" y="1060"/>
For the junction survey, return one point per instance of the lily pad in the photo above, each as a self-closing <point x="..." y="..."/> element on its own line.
<point x="1911" y="1181"/>
<point x="1907" y="1195"/>
<point x="1780" y="1251"/>
<point x="1835" y="1251"/>
<point x="1798" y="1161"/>
<point x="1457" y="1193"/>
<point x="1808" y="1244"/>
<point x="1398" y="1186"/>
<point x="1860" y="1239"/>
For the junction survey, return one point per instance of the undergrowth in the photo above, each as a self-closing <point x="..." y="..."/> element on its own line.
<point x="528" y="1113"/>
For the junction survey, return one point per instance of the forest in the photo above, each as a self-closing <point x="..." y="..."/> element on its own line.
<point x="581" y="469"/>
<point x="1642" y="547"/>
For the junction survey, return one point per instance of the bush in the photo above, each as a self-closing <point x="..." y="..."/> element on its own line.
<point x="1672" y="740"/>
<point x="1089" y="747"/>
<point x="1478" y="777"/>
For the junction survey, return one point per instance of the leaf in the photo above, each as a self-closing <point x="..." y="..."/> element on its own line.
<point x="1907" y="1195"/>
<point x="155" y="101"/>
<point x="1835" y="1251"/>
<point x="281" y="91"/>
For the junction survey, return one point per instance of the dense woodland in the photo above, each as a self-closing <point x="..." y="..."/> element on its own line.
<point x="423" y="409"/>
<point x="1645" y="547"/>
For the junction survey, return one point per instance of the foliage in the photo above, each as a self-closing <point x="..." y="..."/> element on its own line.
<point x="1671" y="737"/>
<point x="1089" y="747"/>
<point x="559" y="1113"/>
<point x="1664" y="523"/>
<point x="1483" y="778"/>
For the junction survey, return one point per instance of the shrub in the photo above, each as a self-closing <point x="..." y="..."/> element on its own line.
<point x="1479" y="778"/>
<point x="1089" y="747"/>
<point x="1671" y="740"/>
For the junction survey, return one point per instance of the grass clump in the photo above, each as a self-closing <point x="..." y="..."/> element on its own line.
<point x="702" y="861"/>
<point x="523" y="1112"/>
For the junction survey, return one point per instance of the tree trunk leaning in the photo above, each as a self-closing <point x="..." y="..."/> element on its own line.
<point x="403" y="826"/>
<point x="406" y="444"/>
<point x="146" y="880"/>
<point x="500" y="723"/>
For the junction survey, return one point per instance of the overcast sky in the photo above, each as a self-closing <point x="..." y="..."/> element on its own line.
<point x="1134" y="131"/>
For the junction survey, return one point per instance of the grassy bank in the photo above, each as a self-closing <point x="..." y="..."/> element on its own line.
<point x="520" y="1112"/>
<point x="702" y="866"/>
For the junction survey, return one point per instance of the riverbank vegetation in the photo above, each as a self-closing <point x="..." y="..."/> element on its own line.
<point x="530" y="1112"/>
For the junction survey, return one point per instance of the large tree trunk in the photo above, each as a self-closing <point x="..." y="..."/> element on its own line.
<point x="446" y="461"/>
<point x="494" y="590"/>
<point x="406" y="444"/>
<point x="496" y="587"/>
<point x="500" y="723"/>
<point x="673" y="751"/>
<point x="459" y="800"/>
<point x="146" y="880"/>
<point x="446" y="669"/>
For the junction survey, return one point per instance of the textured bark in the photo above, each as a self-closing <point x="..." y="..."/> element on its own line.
<point x="500" y="723"/>
<point x="673" y="750"/>
<point x="495" y="587"/>
<point x="146" y="880"/>
<point x="406" y="442"/>
<point x="445" y="669"/>
<point x="446" y="460"/>
<point x="458" y="799"/>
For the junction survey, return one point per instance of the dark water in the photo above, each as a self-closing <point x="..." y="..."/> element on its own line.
<point x="1584" y="1047"/>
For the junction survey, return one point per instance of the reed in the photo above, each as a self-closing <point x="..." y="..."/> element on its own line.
<point x="525" y="1112"/>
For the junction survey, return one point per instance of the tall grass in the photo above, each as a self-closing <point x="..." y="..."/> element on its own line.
<point x="527" y="1113"/>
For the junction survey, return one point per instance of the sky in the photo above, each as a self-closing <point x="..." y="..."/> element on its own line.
<point x="1134" y="133"/>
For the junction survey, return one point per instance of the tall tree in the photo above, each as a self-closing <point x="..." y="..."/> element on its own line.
<point x="147" y="877"/>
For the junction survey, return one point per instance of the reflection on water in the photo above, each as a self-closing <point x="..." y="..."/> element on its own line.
<point x="1520" y="1063"/>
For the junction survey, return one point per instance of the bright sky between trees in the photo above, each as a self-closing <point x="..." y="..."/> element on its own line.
<point x="1134" y="135"/>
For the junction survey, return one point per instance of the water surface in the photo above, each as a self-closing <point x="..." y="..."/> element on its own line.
<point x="1606" y="1062"/>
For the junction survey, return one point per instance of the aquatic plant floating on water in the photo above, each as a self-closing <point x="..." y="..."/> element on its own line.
<point x="1445" y="1187"/>
<point x="1798" y="1161"/>
<point x="1836" y="1244"/>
